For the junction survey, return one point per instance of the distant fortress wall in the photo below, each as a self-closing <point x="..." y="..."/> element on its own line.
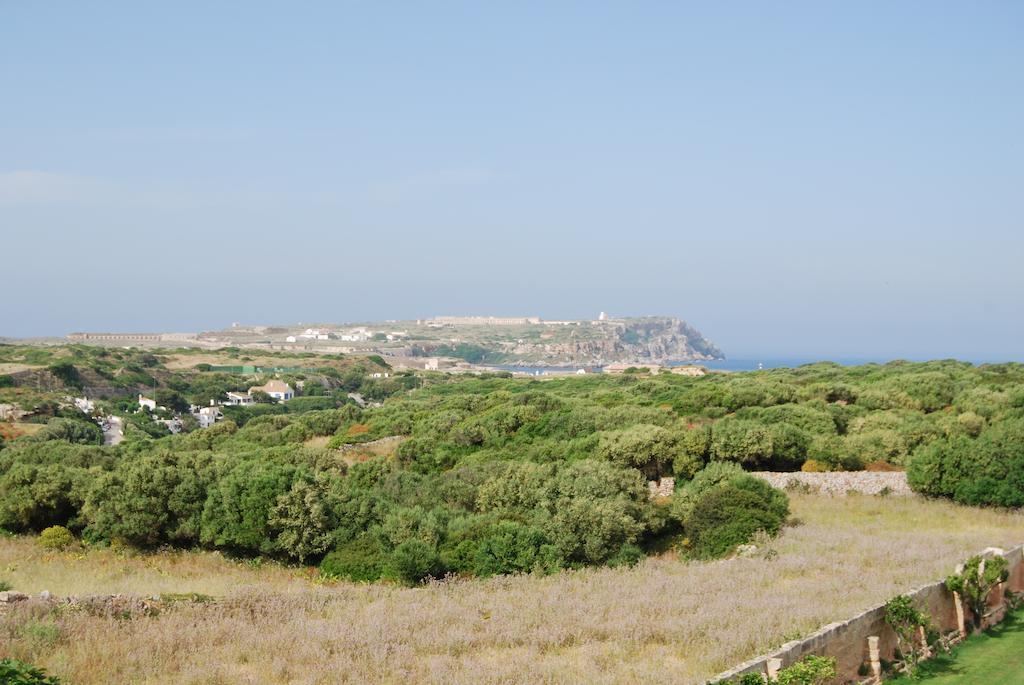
<point x="487" y="320"/>
<point x="131" y="337"/>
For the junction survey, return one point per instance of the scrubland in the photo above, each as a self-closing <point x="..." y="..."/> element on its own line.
<point x="664" y="620"/>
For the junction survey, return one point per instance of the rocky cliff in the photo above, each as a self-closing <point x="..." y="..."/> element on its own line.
<point x="642" y="340"/>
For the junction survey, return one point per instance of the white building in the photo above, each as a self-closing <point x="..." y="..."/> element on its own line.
<point x="207" y="416"/>
<point x="314" y="334"/>
<point x="279" y="390"/>
<point x="145" y="402"/>
<point x="357" y="335"/>
<point x="291" y="339"/>
<point x="237" y="398"/>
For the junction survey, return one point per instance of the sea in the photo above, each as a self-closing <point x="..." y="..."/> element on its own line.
<point x="751" y="364"/>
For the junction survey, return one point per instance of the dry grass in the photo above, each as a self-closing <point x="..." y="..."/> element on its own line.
<point x="664" y="621"/>
<point x="180" y="361"/>
<point x="15" y="367"/>
<point x="11" y="430"/>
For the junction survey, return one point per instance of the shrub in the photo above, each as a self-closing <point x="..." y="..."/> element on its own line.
<point x="813" y="466"/>
<point x="56" y="537"/>
<point x="907" y="621"/>
<point x="515" y="548"/>
<point x="34" y="496"/>
<point x="413" y="561"/>
<point x="811" y="670"/>
<point x="361" y="560"/>
<point x="73" y="430"/>
<point x="651" y="449"/>
<point x="741" y="441"/>
<point x="66" y="373"/>
<point x="731" y="513"/>
<point x="14" y="672"/>
<point x="238" y="506"/>
<point x="975" y="583"/>
<point x="747" y="679"/>
<point x="628" y="555"/>
<point x="5" y="586"/>
<point x="154" y="499"/>
<point x="302" y="519"/>
<point x="711" y="475"/>
<point x="986" y="471"/>
<point x="881" y="466"/>
<point x="789" y="445"/>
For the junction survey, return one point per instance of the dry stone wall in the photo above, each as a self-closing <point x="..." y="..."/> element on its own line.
<point x="841" y="482"/>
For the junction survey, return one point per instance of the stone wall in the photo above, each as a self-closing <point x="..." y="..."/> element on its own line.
<point x="841" y="482"/>
<point x="847" y="640"/>
<point x="663" y="487"/>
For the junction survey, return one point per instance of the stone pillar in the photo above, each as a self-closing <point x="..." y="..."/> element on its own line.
<point x="922" y="638"/>
<point x="874" y="656"/>
<point x="773" y="666"/>
<point x="961" y="624"/>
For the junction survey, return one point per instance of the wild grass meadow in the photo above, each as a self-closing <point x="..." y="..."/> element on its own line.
<point x="663" y="621"/>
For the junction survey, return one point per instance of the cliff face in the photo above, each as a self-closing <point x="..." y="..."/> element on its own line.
<point x="646" y="340"/>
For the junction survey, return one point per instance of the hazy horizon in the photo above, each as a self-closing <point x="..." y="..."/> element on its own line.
<point x="797" y="180"/>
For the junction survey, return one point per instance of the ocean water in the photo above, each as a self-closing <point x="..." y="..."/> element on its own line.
<point x="775" y="363"/>
<point x="752" y="364"/>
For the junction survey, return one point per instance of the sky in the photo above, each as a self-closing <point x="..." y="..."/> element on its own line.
<point x="794" y="178"/>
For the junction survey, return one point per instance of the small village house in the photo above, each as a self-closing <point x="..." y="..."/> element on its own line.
<point x="237" y="398"/>
<point x="279" y="390"/>
<point x="207" y="416"/>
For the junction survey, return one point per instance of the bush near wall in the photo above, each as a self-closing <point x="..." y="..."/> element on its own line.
<point x="988" y="470"/>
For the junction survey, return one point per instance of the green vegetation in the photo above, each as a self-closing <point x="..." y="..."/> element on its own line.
<point x="975" y="583"/>
<point x="907" y="622"/>
<point x="994" y="656"/>
<point x="983" y="470"/>
<point x="495" y="475"/>
<point x="56" y="537"/>
<point x="811" y="670"/>
<point x="14" y="672"/>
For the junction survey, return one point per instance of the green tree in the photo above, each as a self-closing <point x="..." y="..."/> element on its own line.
<point x="78" y="431"/>
<point x="744" y="442"/>
<point x="238" y="506"/>
<point x="302" y="520"/>
<point x="650" y="449"/>
<point x="975" y="583"/>
<point x="172" y="400"/>
<point x="155" y="499"/>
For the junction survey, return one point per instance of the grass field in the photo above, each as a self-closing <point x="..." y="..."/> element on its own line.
<point x="11" y="430"/>
<point x="664" y="621"/>
<point x="994" y="657"/>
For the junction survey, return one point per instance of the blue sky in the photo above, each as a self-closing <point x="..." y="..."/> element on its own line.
<point x="824" y="179"/>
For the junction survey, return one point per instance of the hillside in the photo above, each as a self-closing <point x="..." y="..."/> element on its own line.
<point x="489" y="341"/>
<point x="649" y="339"/>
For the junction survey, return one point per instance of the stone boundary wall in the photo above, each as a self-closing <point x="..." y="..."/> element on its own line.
<point x="841" y="482"/>
<point x="847" y="640"/>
